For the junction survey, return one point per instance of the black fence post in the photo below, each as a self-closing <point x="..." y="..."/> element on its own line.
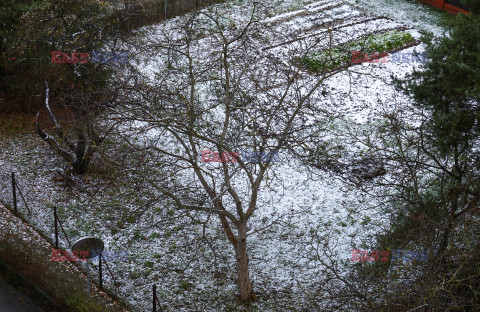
<point x="100" y="270"/>
<point x="56" y="226"/>
<point x="154" y="298"/>
<point x="21" y="195"/>
<point x="14" y="193"/>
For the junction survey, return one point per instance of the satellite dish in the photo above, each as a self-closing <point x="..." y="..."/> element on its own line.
<point x="88" y="244"/>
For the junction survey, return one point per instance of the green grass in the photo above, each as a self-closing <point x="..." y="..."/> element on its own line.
<point x="325" y="60"/>
<point x="385" y="42"/>
<point x="149" y="264"/>
<point x="137" y="235"/>
<point x="185" y="285"/>
<point x="155" y="235"/>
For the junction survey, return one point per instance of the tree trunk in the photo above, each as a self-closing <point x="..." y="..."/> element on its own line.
<point x="243" y="277"/>
<point x="80" y="166"/>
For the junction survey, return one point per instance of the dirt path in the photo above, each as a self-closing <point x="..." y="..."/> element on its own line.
<point x="11" y="300"/>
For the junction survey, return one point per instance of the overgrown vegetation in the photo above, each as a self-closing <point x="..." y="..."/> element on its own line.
<point x="435" y="192"/>
<point x="325" y="60"/>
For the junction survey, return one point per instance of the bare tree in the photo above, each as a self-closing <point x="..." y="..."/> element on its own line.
<point x="223" y="93"/>
<point x="76" y="146"/>
<point x="79" y="89"/>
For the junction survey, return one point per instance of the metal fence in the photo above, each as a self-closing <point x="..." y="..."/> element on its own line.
<point x="459" y="4"/>
<point x="453" y="6"/>
<point x="15" y="188"/>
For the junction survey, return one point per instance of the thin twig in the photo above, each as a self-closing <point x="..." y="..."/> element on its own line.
<point x="425" y="305"/>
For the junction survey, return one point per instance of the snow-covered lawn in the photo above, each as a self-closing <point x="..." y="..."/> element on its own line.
<point x="191" y="275"/>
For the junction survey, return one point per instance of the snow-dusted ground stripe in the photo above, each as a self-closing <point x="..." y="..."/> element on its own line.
<point x="334" y="23"/>
<point x="319" y="32"/>
<point x="312" y="20"/>
<point x="309" y="9"/>
<point x="320" y="5"/>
